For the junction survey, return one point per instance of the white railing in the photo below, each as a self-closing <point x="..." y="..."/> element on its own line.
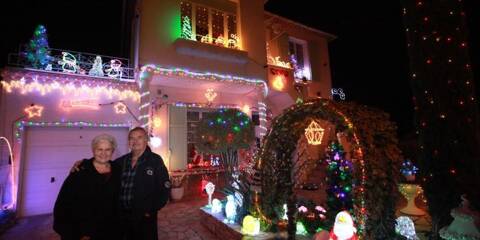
<point x="77" y="63"/>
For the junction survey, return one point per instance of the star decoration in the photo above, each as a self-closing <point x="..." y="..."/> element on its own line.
<point x="33" y="111"/>
<point x="120" y="108"/>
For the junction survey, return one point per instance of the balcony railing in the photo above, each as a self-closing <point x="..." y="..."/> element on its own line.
<point x="72" y="62"/>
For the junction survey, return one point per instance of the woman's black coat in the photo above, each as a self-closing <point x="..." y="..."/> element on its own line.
<point x="87" y="203"/>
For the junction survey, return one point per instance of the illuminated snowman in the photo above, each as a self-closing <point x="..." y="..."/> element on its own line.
<point x="230" y="210"/>
<point x="343" y="228"/>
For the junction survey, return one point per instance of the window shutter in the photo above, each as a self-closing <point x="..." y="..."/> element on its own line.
<point x="177" y="137"/>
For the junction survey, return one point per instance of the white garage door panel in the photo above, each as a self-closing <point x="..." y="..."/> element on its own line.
<point x="49" y="154"/>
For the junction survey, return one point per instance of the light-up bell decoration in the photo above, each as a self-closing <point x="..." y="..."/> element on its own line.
<point x="314" y="133"/>
<point x="410" y="192"/>
<point x="210" y="188"/>
<point x="250" y="225"/>
<point x="210" y="94"/>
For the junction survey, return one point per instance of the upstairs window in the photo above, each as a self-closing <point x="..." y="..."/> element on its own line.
<point x="298" y="53"/>
<point x="208" y="25"/>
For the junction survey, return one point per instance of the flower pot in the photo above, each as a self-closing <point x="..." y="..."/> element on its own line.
<point x="177" y="193"/>
<point x="410" y="178"/>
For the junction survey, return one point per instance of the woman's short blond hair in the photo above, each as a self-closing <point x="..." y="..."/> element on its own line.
<point x="104" y="137"/>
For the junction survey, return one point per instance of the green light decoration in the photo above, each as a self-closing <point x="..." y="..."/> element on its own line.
<point x="187" y="28"/>
<point x="301" y="229"/>
<point x="224" y="132"/>
<point x="339" y="182"/>
<point x="37" y="51"/>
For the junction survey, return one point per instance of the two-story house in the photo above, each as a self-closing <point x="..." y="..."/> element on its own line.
<point x="189" y="58"/>
<point x="233" y="50"/>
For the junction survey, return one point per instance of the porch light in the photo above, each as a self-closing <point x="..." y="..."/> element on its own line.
<point x="314" y="133"/>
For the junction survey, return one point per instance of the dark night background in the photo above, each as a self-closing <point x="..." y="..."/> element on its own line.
<point x="368" y="59"/>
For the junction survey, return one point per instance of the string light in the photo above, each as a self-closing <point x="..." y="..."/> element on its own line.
<point x="204" y="76"/>
<point x="66" y="87"/>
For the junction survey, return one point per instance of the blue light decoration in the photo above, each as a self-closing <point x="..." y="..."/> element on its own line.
<point x="37" y="50"/>
<point x="408" y="169"/>
<point x="339" y="180"/>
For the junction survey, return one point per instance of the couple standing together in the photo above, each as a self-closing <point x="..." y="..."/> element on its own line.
<point x="118" y="199"/>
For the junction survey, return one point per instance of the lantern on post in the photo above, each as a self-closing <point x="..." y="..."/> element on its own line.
<point x="314" y="133"/>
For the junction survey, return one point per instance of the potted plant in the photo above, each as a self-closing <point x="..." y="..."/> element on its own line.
<point x="177" y="181"/>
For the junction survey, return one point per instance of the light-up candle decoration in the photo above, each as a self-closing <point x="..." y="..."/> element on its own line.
<point x="210" y="188"/>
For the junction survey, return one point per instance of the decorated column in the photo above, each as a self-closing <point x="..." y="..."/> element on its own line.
<point x="445" y="104"/>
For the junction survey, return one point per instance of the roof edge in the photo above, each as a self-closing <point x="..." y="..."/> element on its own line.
<point x="329" y="36"/>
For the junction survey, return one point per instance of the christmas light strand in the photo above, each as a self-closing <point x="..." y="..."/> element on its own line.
<point x="202" y="76"/>
<point x="66" y="87"/>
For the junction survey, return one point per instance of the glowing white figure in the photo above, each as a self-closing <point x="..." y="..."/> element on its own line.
<point x="155" y="141"/>
<point x="115" y="69"/>
<point x="68" y="62"/>
<point x="285" y="209"/>
<point x="230" y="210"/>
<point x="343" y="228"/>
<point x="210" y="188"/>
<point x="97" y="68"/>
<point x="216" y="206"/>
<point x="406" y="228"/>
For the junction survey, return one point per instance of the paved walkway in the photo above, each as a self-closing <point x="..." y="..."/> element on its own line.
<point x="178" y="220"/>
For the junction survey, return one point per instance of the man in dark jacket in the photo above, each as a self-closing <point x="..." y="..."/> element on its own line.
<point x="144" y="190"/>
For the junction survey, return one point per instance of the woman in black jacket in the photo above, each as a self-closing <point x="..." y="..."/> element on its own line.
<point x="86" y="207"/>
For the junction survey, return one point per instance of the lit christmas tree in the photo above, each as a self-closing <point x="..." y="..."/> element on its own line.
<point x="339" y="182"/>
<point x="187" y="28"/>
<point x="445" y="104"/>
<point x="37" y="50"/>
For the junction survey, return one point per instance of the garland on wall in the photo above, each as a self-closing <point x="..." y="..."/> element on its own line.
<point x="376" y="162"/>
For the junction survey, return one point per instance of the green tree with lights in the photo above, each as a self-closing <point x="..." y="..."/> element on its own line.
<point x="37" y="51"/>
<point x="224" y="132"/>
<point x="339" y="182"/>
<point x="186" y="28"/>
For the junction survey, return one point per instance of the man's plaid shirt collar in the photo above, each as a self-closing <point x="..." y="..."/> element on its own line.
<point x="128" y="177"/>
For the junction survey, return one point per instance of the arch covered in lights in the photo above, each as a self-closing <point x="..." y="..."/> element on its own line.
<point x="375" y="156"/>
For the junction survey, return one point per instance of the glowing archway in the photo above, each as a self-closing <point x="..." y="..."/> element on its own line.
<point x="376" y="160"/>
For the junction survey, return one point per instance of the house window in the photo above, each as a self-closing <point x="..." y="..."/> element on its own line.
<point x="209" y="25"/>
<point x="298" y="53"/>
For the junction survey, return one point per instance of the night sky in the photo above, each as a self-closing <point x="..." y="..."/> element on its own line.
<point x="368" y="59"/>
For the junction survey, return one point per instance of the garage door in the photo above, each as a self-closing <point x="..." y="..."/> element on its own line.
<point x="49" y="154"/>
